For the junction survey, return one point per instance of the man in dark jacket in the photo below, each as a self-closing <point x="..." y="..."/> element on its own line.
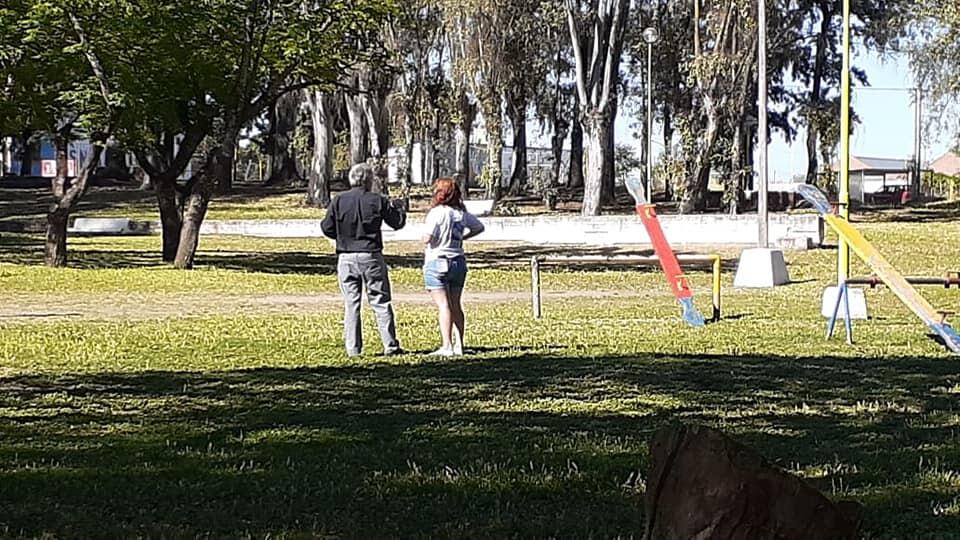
<point x="354" y="219"/>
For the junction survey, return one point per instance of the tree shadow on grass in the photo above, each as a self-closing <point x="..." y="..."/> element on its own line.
<point x="498" y="446"/>
<point x="27" y="250"/>
<point x="24" y="206"/>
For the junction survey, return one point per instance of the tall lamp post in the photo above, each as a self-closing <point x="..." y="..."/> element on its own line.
<point x="843" y="249"/>
<point x="650" y="36"/>
<point x="762" y="212"/>
<point x="762" y="266"/>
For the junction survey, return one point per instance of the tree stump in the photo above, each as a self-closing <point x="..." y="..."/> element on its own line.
<point x="703" y="484"/>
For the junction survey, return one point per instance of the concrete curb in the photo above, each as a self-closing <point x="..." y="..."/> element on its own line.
<point x="787" y="231"/>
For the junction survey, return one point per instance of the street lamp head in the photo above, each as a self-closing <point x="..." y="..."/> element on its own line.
<point x="651" y="35"/>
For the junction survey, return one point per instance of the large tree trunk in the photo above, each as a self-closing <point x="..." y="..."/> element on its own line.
<point x="518" y="120"/>
<point x="695" y="191"/>
<point x="195" y="202"/>
<point x="171" y="218"/>
<point x="321" y="167"/>
<point x="116" y="163"/>
<point x="197" y="195"/>
<point x="373" y="101"/>
<point x="461" y="138"/>
<point x="282" y="159"/>
<point x="596" y="130"/>
<point x="560" y="128"/>
<point x="816" y="93"/>
<point x="462" y="132"/>
<point x="65" y="198"/>
<point x="575" y="173"/>
<point x="164" y="165"/>
<point x="735" y="188"/>
<point x="224" y="181"/>
<point x="4" y="155"/>
<point x="55" y="247"/>
<point x="493" y="168"/>
<point x="359" y="145"/>
<point x="26" y="153"/>
<point x="608" y="184"/>
<point x="406" y="176"/>
<point x="667" y="148"/>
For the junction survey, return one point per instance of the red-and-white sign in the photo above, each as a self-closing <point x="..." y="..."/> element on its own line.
<point x="48" y="168"/>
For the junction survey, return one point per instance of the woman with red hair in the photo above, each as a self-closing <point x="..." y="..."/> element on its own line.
<point x="448" y="224"/>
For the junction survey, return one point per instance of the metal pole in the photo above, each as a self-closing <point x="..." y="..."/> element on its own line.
<point x="843" y="249"/>
<point x="762" y="215"/>
<point x="649" y="192"/>
<point x="717" y="267"/>
<point x="535" y="286"/>
<point x="917" y="163"/>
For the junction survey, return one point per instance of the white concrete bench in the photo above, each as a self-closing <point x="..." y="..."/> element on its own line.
<point x="479" y="207"/>
<point x="106" y="226"/>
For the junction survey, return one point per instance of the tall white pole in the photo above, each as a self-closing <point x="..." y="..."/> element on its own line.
<point x="843" y="249"/>
<point x="650" y="122"/>
<point x="917" y="147"/>
<point x="762" y="214"/>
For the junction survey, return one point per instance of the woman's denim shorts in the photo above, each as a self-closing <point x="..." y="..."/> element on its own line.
<point x="445" y="273"/>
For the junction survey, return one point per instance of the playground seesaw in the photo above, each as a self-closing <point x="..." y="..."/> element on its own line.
<point x="665" y="257"/>
<point x="714" y="262"/>
<point x="890" y="276"/>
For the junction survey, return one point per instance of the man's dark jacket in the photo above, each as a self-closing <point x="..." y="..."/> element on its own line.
<point x="354" y="219"/>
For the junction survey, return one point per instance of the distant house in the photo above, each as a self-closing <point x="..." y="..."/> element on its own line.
<point x="948" y="164"/>
<point x="870" y="176"/>
<point x="43" y="158"/>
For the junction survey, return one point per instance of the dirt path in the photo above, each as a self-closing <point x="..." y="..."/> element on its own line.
<point x="127" y="307"/>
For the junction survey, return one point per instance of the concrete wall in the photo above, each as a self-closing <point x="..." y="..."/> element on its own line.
<point x="795" y="231"/>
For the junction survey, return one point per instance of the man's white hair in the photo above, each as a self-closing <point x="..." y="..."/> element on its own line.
<point x="361" y="174"/>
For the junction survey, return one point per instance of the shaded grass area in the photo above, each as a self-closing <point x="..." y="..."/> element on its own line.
<point x="236" y="426"/>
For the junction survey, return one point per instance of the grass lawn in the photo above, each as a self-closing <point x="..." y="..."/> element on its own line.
<point x="217" y="417"/>
<point x="246" y="202"/>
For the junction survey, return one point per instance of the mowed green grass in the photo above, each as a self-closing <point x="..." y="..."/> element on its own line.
<point x="240" y="424"/>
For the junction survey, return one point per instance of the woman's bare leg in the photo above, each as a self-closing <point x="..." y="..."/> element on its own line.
<point x="444" y="317"/>
<point x="458" y="319"/>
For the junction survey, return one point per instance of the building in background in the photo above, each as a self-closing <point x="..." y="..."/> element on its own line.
<point x="873" y="180"/>
<point x="947" y="164"/>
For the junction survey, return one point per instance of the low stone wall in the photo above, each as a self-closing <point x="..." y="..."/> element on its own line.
<point x="790" y="231"/>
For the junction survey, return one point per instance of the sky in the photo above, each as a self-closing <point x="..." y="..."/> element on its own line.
<point x="886" y="130"/>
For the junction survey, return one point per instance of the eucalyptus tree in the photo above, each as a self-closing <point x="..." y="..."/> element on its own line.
<point x="283" y="161"/>
<point x="418" y="36"/>
<point x="553" y="104"/>
<point x="321" y="105"/>
<point x="597" y="31"/>
<point x="479" y="33"/>
<point x="537" y="36"/>
<point x="935" y="57"/>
